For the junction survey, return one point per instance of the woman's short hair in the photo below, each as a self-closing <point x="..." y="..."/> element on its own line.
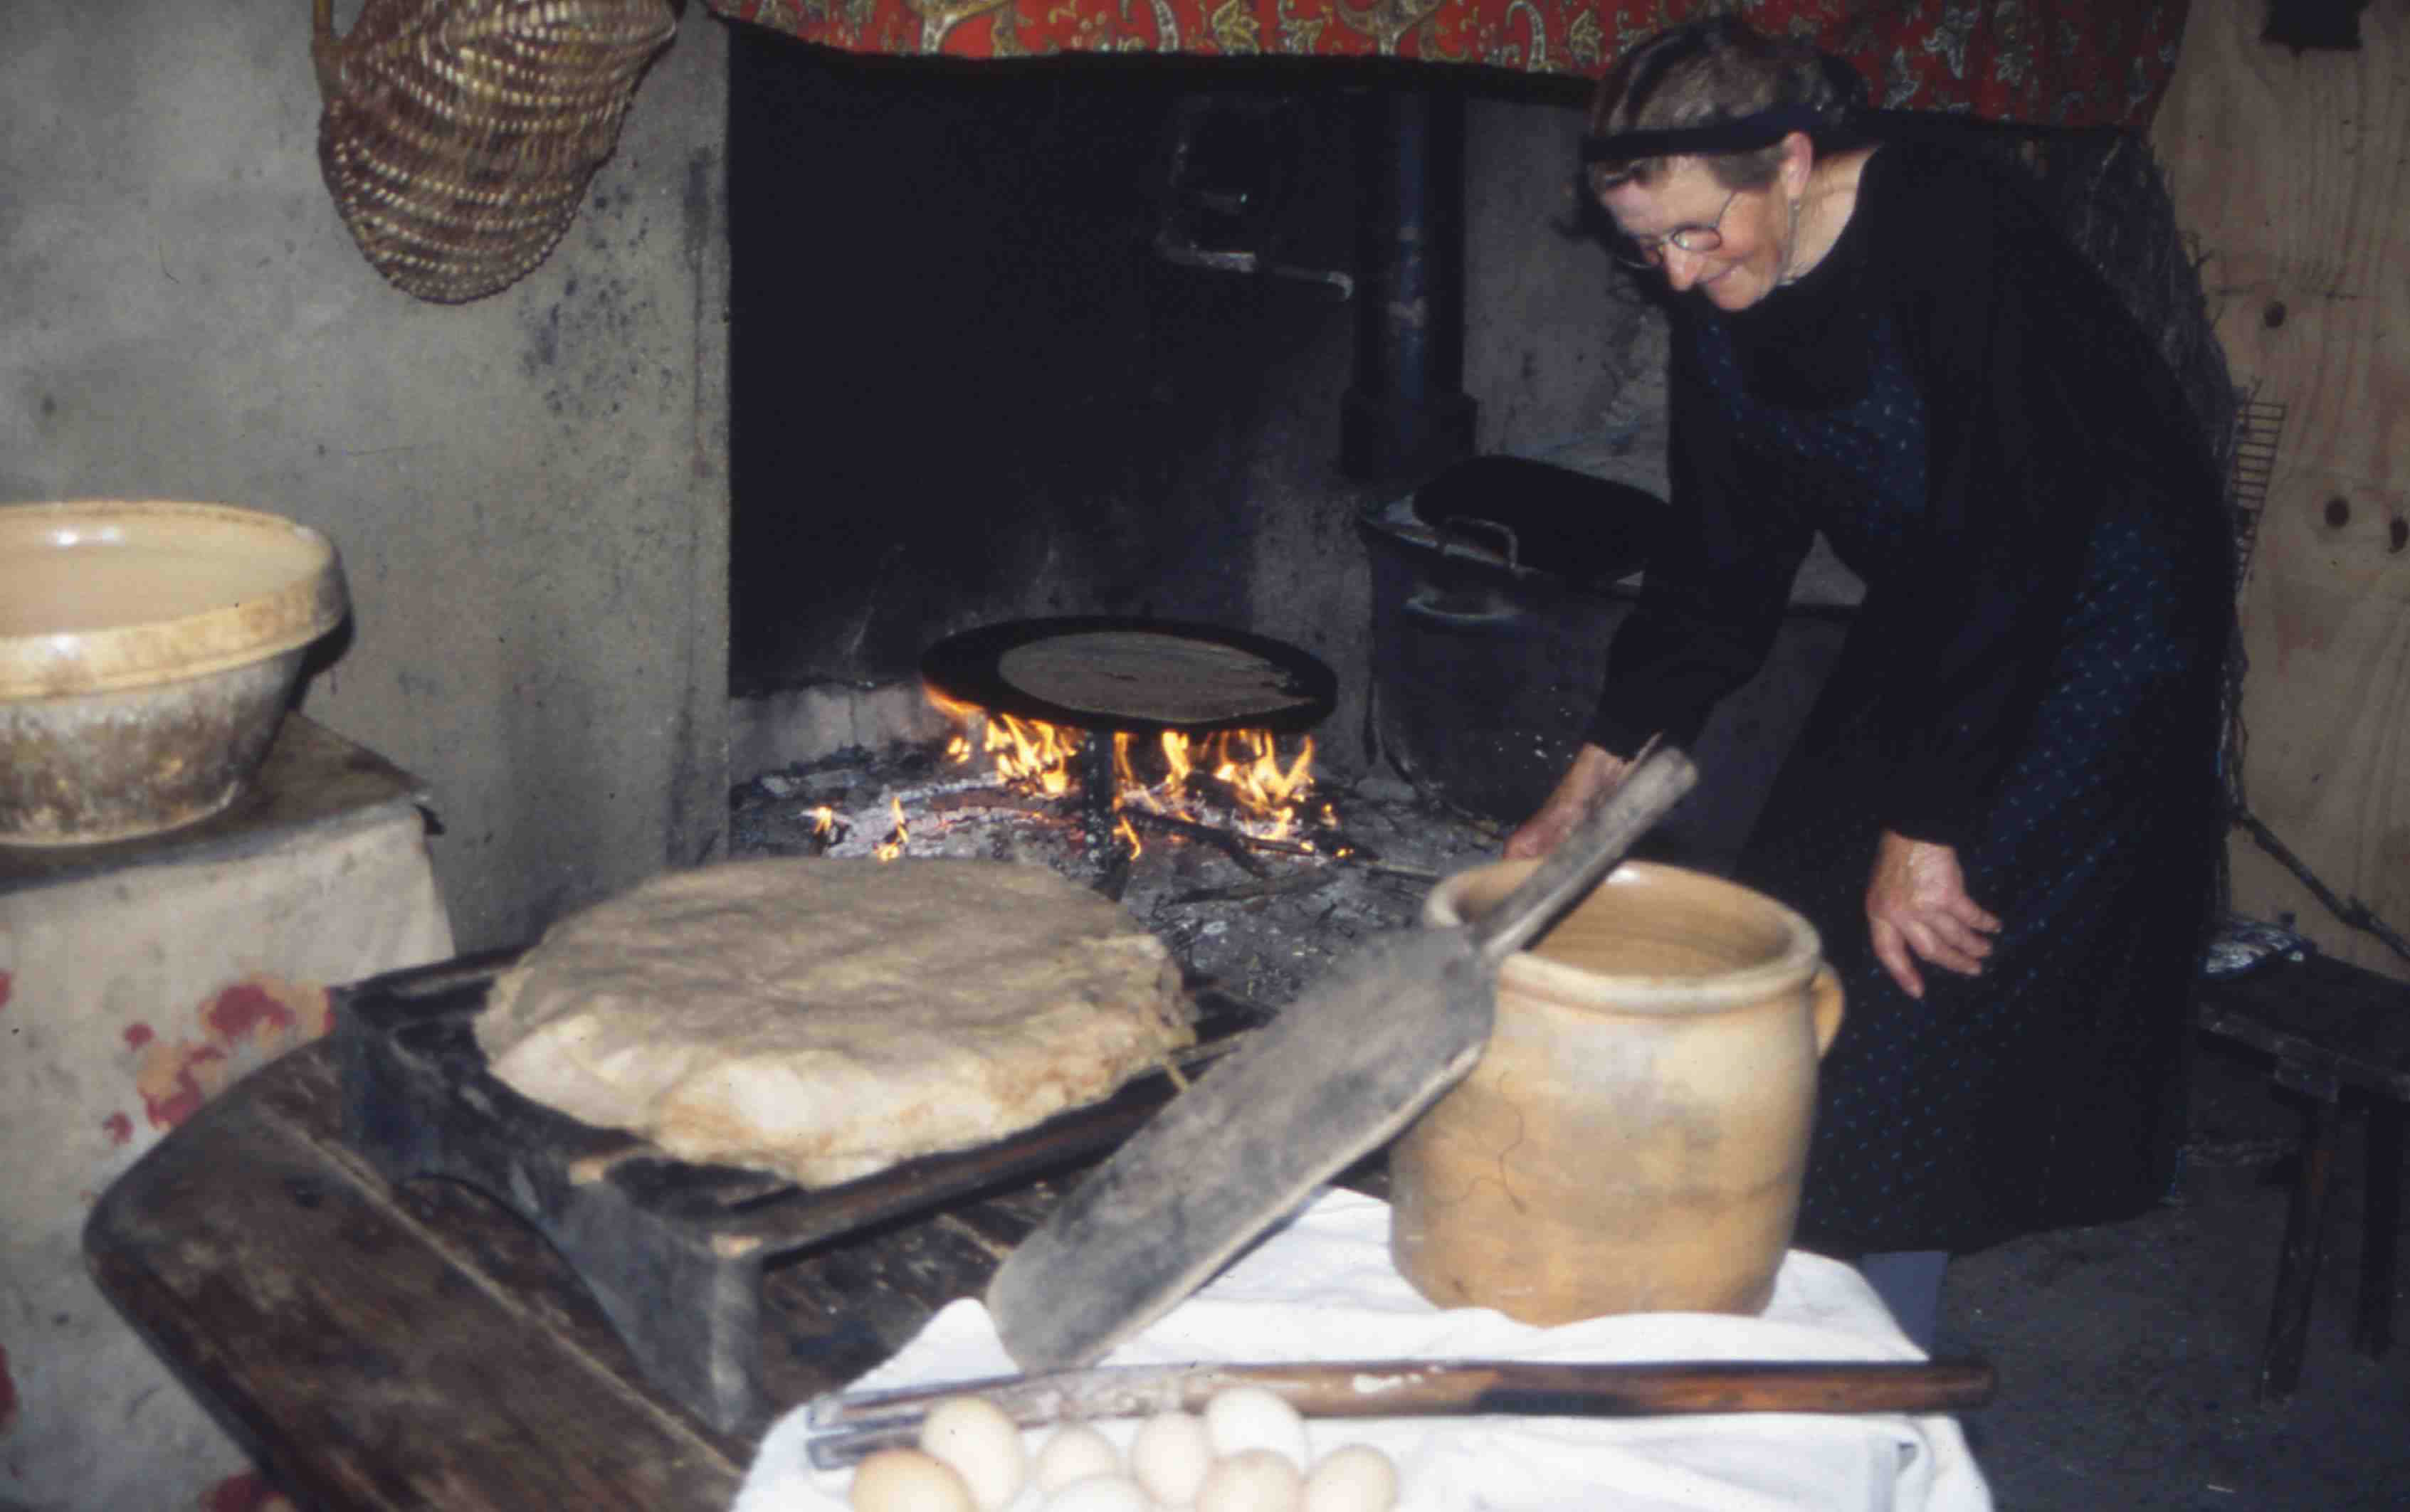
<point x="1707" y="72"/>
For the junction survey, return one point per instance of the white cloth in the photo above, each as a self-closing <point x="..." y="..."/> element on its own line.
<point x="1322" y="1288"/>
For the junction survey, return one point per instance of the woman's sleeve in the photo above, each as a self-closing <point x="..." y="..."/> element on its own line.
<point x="1714" y="591"/>
<point x="2020" y="353"/>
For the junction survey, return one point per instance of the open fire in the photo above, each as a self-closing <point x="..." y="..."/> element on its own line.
<point x="1104" y="793"/>
<point x="1255" y="871"/>
<point x="1237" y="779"/>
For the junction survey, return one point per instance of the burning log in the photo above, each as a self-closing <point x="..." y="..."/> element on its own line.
<point x="1230" y="842"/>
<point x="1236" y="844"/>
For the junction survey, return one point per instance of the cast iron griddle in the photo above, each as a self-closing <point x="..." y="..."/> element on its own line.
<point x="1135" y="674"/>
<point x="672" y="1252"/>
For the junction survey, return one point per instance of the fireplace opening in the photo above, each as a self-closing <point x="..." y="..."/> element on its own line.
<point x="988" y="363"/>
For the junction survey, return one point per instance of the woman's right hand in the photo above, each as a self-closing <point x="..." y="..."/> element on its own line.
<point x="1585" y="784"/>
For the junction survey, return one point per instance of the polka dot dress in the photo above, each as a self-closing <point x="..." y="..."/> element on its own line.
<point x="2044" y="1092"/>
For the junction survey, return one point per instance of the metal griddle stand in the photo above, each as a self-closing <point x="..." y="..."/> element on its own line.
<point x="672" y="1252"/>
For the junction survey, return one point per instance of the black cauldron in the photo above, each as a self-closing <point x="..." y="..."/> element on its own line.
<point x="1496" y="588"/>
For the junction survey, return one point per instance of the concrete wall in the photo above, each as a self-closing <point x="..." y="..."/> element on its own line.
<point x="530" y="492"/>
<point x="1556" y="335"/>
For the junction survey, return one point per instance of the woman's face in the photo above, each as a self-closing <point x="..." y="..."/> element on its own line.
<point x="1753" y="225"/>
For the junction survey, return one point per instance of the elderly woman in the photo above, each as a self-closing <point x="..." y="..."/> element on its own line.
<point x="2003" y="812"/>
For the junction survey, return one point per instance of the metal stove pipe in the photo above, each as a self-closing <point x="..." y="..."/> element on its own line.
<point x="1407" y="414"/>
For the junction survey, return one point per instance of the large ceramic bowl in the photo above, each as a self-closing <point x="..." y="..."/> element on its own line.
<point x="148" y="651"/>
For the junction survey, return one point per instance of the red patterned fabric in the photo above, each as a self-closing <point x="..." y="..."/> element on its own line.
<point x="2066" y="63"/>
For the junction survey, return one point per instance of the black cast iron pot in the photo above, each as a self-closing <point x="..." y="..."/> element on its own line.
<point x="1496" y="588"/>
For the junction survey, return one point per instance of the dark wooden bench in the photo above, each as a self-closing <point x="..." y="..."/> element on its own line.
<point x="2338" y="1034"/>
<point x="395" y="1348"/>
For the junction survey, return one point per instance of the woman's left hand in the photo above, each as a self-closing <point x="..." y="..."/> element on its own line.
<point x="1918" y="909"/>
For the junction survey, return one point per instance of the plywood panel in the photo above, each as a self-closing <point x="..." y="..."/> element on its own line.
<point x="2291" y="172"/>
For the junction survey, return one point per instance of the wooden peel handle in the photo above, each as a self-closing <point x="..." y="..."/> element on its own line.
<point x="1535" y="1389"/>
<point x="1657" y="782"/>
<point x="845" y="1428"/>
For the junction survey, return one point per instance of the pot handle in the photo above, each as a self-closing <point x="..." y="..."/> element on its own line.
<point x="1457" y="535"/>
<point x="327" y="48"/>
<point x="1489" y="612"/>
<point x="1824" y="1002"/>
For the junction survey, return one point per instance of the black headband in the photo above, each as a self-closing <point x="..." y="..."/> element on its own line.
<point x="1739" y="135"/>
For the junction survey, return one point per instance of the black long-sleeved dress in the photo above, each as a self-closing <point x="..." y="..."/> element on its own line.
<point x="1964" y="408"/>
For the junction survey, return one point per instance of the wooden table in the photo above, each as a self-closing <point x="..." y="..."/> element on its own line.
<point x="419" y="1347"/>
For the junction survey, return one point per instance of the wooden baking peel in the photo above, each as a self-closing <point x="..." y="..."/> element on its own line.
<point x="1335" y="1075"/>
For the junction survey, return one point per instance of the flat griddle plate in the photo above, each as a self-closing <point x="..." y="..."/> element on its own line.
<point x="1135" y="674"/>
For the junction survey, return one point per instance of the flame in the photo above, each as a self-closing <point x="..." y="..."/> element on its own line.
<point x="1175" y="755"/>
<point x="1026" y="752"/>
<point x="894" y="845"/>
<point x="1245" y="765"/>
<point x="1033" y="751"/>
<point x="823" y="820"/>
<point x="1249" y="764"/>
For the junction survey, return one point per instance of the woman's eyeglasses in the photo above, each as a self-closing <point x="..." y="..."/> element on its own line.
<point x="1634" y="251"/>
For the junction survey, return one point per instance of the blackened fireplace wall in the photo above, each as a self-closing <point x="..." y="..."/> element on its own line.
<point x="969" y="388"/>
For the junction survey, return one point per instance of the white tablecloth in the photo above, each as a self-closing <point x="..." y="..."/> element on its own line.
<point x="1322" y="1287"/>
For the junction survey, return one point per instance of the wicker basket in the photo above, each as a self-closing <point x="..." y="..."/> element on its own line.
<point x="458" y="134"/>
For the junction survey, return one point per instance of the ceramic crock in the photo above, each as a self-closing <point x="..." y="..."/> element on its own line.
<point x="1634" y="1136"/>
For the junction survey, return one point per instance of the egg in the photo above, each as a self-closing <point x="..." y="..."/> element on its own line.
<point x="1356" y="1479"/>
<point x="1169" y="1457"/>
<point x="1253" y="1480"/>
<point x="1243" y="1418"/>
<point x="973" y="1434"/>
<point x="907" y="1480"/>
<point x="1075" y="1453"/>
<point x="1100" y="1493"/>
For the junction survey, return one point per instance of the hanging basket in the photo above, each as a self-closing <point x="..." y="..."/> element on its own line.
<point x="458" y="134"/>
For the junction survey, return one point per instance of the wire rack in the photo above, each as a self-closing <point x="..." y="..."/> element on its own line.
<point x="2259" y="429"/>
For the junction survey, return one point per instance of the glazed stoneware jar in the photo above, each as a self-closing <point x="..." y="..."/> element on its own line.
<point x="1634" y="1136"/>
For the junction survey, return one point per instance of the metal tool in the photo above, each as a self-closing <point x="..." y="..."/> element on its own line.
<point x="841" y="1429"/>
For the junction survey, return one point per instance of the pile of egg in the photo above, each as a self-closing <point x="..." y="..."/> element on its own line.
<point x="1247" y="1452"/>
